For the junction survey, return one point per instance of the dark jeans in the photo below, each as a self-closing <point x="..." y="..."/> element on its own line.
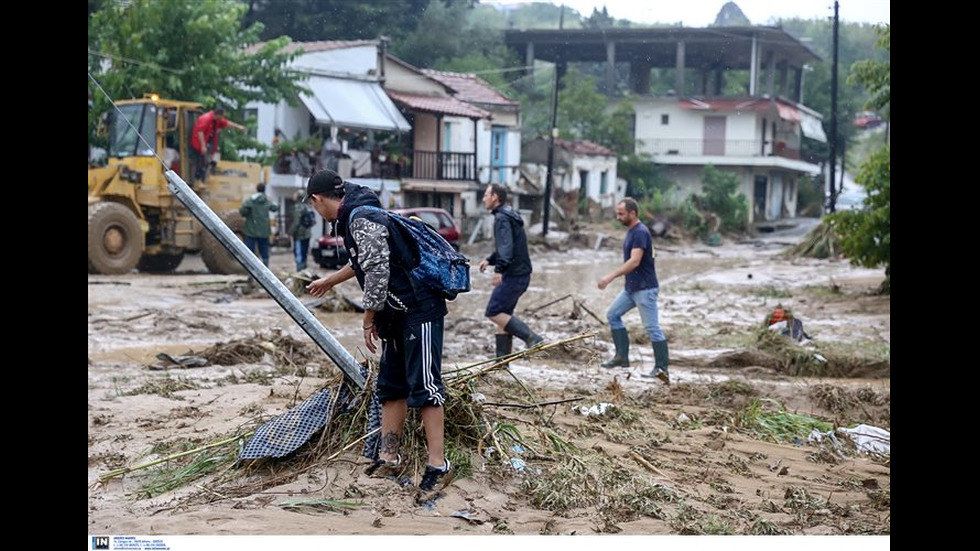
<point x="199" y="165"/>
<point x="262" y="243"/>
<point x="301" y="250"/>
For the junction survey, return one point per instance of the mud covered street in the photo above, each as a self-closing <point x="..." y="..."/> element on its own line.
<point x="657" y="460"/>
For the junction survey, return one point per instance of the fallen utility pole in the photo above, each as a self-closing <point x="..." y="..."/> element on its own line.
<point x="261" y="273"/>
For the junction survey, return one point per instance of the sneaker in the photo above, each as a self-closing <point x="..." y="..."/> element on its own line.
<point x="435" y="478"/>
<point x="383" y="468"/>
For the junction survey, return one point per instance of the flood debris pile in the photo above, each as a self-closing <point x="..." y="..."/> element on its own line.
<point x="820" y="242"/>
<point x="284" y="350"/>
<point x="812" y="358"/>
<point x="561" y="453"/>
<point x="473" y="429"/>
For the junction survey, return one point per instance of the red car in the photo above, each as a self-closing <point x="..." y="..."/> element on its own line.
<point x="868" y="119"/>
<point x="329" y="251"/>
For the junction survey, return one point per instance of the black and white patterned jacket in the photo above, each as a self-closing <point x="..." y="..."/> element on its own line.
<point x="377" y="252"/>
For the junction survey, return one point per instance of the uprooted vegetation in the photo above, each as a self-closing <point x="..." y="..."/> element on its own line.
<point x="814" y="358"/>
<point x="616" y="457"/>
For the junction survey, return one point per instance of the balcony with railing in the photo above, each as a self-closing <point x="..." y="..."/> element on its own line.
<point x="440" y="165"/>
<point x="722" y="148"/>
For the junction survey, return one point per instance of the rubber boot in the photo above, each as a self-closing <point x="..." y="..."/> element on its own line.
<point x="505" y="344"/>
<point x="621" y="340"/>
<point x="520" y="329"/>
<point x="661" y="360"/>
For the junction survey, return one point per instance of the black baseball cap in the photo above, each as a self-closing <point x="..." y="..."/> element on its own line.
<point x="325" y="181"/>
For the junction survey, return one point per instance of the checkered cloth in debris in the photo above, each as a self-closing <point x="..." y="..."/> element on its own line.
<point x="284" y="434"/>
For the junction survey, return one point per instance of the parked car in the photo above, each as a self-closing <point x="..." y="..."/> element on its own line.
<point x="329" y="251"/>
<point x="866" y="120"/>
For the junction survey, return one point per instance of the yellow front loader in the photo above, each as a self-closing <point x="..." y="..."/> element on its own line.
<point x="134" y="222"/>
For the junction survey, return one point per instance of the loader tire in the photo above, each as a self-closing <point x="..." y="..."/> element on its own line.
<point x="215" y="256"/>
<point x="115" y="239"/>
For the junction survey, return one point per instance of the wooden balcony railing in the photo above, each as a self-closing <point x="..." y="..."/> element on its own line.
<point x="438" y="165"/>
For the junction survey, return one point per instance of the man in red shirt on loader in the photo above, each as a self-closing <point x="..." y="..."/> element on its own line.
<point x="204" y="139"/>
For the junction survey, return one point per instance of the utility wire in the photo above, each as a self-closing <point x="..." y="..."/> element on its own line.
<point x="135" y="62"/>
<point x="504" y="70"/>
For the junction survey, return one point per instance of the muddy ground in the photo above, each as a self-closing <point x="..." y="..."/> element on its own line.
<point x="549" y="443"/>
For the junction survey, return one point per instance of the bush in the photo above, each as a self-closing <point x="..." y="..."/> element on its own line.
<point x="690" y="218"/>
<point x="655" y="203"/>
<point x="720" y="198"/>
<point x="810" y="197"/>
<point x="865" y="235"/>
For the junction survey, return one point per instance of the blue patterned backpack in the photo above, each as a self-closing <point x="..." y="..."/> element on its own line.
<point x="436" y="264"/>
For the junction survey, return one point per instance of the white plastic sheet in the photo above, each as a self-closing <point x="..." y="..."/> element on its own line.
<point x="869" y="439"/>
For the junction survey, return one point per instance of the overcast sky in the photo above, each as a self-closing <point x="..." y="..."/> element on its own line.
<point x="701" y="13"/>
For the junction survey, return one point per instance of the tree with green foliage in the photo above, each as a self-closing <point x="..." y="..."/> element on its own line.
<point x="599" y="19"/>
<point x="875" y="75"/>
<point x="721" y="197"/>
<point x="191" y="51"/>
<point x="865" y="234"/>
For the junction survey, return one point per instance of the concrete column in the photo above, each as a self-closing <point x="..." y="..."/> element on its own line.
<point x="562" y="68"/>
<point x="783" y="69"/>
<point x="679" y="69"/>
<point x="529" y="62"/>
<point x="798" y="78"/>
<point x="754" y="65"/>
<point x="610" y="67"/>
<point x="770" y="72"/>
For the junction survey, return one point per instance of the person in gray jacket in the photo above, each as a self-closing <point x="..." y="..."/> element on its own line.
<point x="511" y="271"/>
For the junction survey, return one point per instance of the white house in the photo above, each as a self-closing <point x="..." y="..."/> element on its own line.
<point x="347" y="105"/>
<point x="498" y="142"/>
<point x="758" y="139"/>
<point x="584" y="180"/>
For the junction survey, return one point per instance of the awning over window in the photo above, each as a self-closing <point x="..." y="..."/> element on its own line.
<point x="788" y="112"/>
<point x="355" y="103"/>
<point x="811" y="127"/>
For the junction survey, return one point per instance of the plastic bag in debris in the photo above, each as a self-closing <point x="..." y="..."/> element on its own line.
<point x="596" y="410"/>
<point x="869" y="439"/>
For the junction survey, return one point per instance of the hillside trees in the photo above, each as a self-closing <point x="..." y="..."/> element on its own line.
<point x="312" y="20"/>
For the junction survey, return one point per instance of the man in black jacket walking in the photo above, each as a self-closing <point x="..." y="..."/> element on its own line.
<point x="512" y="271"/>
